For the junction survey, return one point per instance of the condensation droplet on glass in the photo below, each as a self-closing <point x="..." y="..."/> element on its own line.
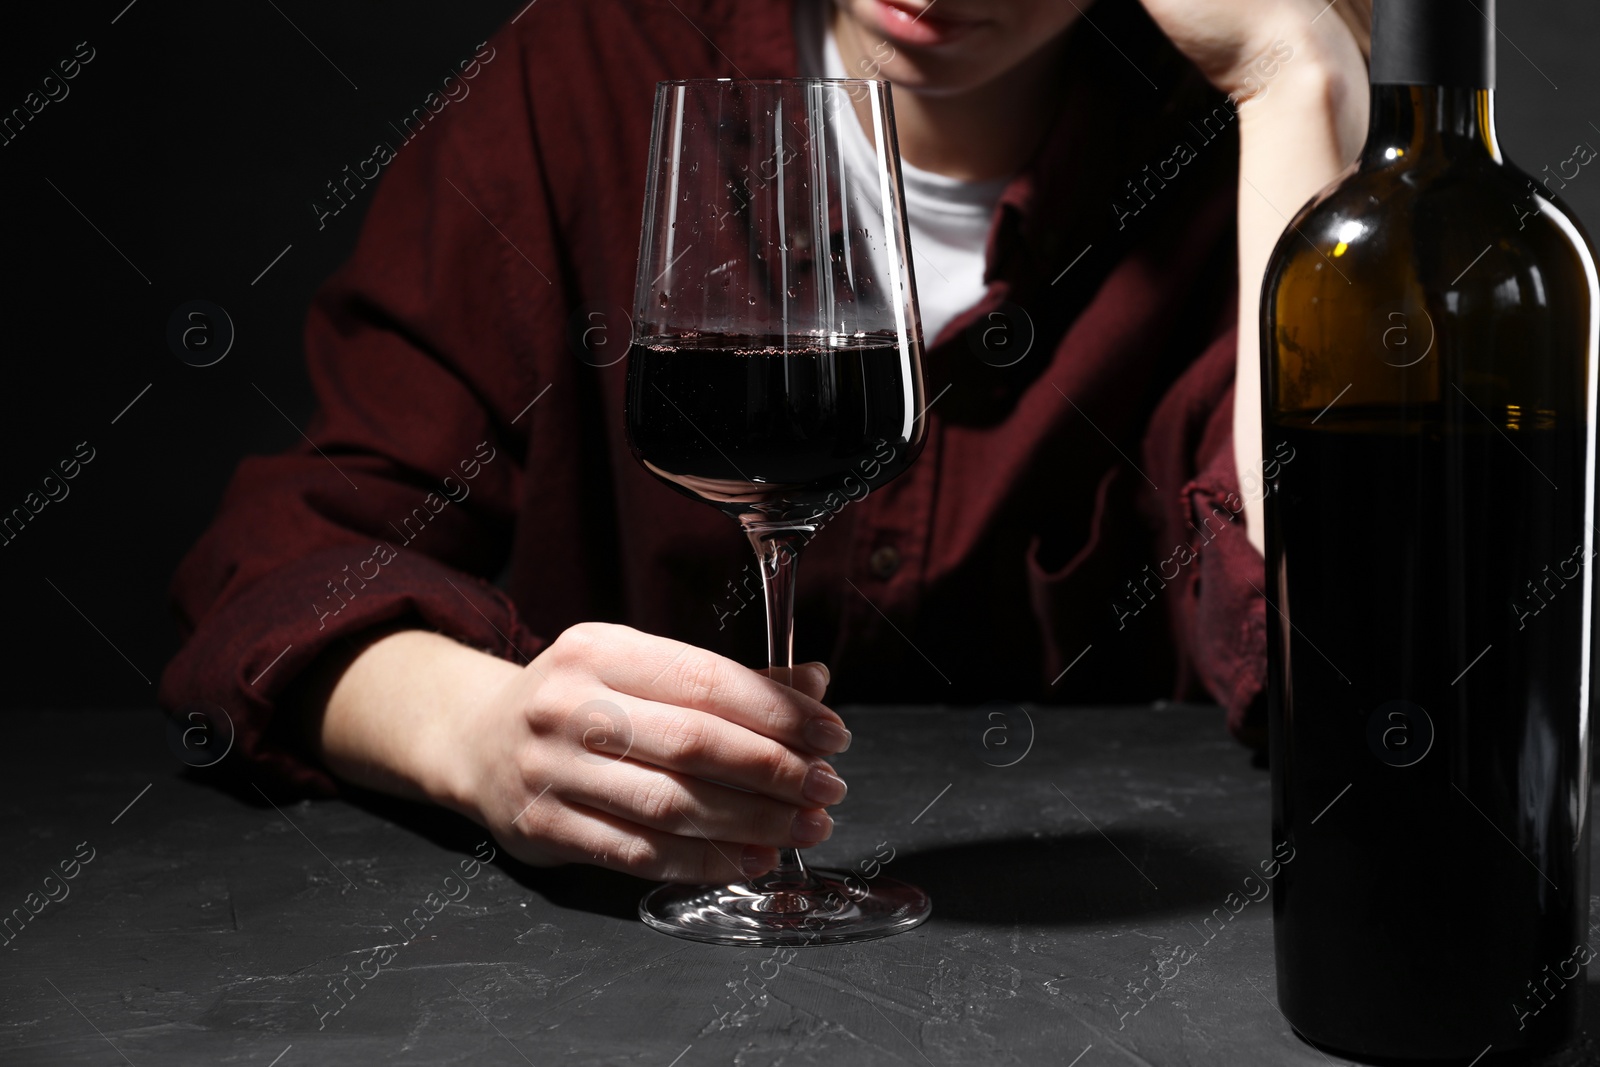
<point x="793" y="292"/>
<point x="663" y="299"/>
<point x="750" y="300"/>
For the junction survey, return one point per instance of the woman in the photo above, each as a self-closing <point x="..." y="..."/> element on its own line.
<point x="1084" y="505"/>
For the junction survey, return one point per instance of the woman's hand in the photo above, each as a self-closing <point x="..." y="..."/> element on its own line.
<point x="612" y="747"/>
<point x="1238" y="44"/>
<point x="1296" y="71"/>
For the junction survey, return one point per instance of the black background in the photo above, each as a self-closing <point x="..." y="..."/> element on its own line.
<point x="195" y="142"/>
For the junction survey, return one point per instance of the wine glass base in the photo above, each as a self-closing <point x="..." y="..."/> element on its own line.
<point x="819" y="911"/>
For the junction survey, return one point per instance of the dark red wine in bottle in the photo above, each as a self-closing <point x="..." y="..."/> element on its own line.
<point x="786" y="433"/>
<point x="1429" y="337"/>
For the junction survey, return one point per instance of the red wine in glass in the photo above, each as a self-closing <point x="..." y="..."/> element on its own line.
<point x="752" y="428"/>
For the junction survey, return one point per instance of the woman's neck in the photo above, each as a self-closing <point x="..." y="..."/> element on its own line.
<point x="988" y="131"/>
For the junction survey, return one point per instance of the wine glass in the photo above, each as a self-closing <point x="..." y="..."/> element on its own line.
<point x="776" y="374"/>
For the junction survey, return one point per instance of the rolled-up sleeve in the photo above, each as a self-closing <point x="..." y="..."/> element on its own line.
<point x="1219" y="616"/>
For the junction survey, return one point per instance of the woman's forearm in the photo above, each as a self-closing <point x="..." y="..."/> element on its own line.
<point x="1295" y="138"/>
<point x="374" y="714"/>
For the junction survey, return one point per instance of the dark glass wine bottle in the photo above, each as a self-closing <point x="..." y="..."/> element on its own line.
<point x="1429" y="336"/>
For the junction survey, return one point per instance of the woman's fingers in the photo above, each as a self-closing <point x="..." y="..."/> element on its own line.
<point x="670" y="672"/>
<point x="691" y="807"/>
<point x="824" y="734"/>
<point x="702" y="745"/>
<point x="810" y="678"/>
<point x="550" y="828"/>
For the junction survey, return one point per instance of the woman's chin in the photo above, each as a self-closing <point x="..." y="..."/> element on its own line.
<point x="931" y="79"/>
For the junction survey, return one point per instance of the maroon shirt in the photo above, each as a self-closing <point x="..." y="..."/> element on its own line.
<point x="1078" y="509"/>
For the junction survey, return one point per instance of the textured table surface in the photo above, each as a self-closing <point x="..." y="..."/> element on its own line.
<point x="205" y="928"/>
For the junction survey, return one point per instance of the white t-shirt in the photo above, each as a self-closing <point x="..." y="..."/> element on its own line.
<point x="948" y="218"/>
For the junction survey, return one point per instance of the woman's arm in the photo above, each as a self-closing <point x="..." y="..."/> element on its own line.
<point x="337" y="608"/>
<point x="1298" y="72"/>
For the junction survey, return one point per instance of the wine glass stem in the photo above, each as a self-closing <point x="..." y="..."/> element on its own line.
<point x="778" y="550"/>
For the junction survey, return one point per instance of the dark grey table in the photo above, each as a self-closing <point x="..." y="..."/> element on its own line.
<point x="212" y="929"/>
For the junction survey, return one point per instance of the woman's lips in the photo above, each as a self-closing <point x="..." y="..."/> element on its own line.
<point x="916" y="26"/>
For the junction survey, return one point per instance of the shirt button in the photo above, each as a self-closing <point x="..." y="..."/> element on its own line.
<point x="884" y="562"/>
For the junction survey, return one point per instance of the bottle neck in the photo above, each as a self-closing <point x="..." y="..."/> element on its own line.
<point x="1414" y="123"/>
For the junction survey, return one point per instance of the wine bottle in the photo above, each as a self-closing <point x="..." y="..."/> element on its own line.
<point x="1429" y="337"/>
